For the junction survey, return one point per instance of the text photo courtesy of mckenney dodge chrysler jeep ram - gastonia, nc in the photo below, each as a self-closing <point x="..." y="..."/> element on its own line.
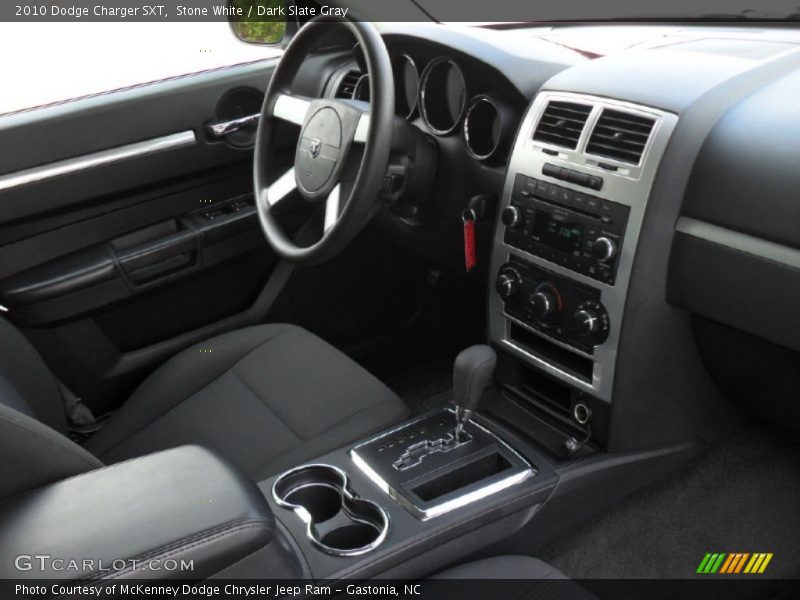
<point x="392" y="300"/>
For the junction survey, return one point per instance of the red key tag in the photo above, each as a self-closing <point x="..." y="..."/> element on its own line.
<point x="470" y="259"/>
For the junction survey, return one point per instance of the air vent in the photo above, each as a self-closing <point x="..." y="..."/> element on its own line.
<point x="620" y="135"/>
<point x="562" y="123"/>
<point x="347" y="86"/>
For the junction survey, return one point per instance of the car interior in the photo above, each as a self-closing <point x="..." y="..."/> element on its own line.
<point x="412" y="300"/>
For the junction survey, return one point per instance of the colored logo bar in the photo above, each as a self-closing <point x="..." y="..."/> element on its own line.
<point x="734" y="563"/>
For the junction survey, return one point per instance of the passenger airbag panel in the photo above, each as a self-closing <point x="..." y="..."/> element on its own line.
<point x="740" y="290"/>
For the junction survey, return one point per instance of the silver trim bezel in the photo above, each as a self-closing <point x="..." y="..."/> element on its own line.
<point x="631" y="186"/>
<point x="426" y="73"/>
<point x="347" y="493"/>
<point x="413" y="111"/>
<point x="471" y="105"/>
<point x="436" y="510"/>
<point x="109" y="156"/>
<point x="359" y="85"/>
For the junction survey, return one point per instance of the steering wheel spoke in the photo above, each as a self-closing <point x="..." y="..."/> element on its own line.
<point x="281" y="188"/>
<point x="362" y="129"/>
<point x="290" y="108"/>
<point x="332" y="207"/>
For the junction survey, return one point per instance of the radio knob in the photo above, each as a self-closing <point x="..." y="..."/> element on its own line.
<point x="587" y="322"/>
<point x="511" y="216"/>
<point x="604" y="249"/>
<point x="544" y="302"/>
<point x="508" y="282"/>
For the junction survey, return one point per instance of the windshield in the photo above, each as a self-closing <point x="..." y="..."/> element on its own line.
<point x="516" y="11"/>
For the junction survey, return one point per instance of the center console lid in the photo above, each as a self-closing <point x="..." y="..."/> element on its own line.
<point x="138" y="518"/>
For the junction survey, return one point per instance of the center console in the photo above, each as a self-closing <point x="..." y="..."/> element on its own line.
<point x="390" y="504"/>
<point x="573" y="202"/>
<point x="443" y="486"/>
<point x="454" y="481"/>
<point x="410" y="500"/>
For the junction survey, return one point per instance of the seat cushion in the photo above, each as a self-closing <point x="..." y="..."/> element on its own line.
<point x="518" y="577"/>
<point x="267" y="397"/>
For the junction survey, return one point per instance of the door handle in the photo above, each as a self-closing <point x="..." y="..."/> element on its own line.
<point x="223" y="128"/>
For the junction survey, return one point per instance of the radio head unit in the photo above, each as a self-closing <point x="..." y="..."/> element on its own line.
<point x="581" y="232"/>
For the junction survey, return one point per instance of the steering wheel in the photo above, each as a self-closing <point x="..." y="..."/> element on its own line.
<point x="324" y="171"/>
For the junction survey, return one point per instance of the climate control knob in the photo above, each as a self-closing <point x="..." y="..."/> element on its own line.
<point x="511" y="216"/>
<point x="590" y="320"/>
<point x="508" y="282"/>
<point x="604" y="249"/>
<point x="544" y="301"/>
<point x="587" y="322"/>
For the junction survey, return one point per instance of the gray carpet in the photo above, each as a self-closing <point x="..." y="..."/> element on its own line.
<point x="742" y="495"/>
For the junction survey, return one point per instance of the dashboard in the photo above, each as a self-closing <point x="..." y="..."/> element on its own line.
<point x="622" y="207"/>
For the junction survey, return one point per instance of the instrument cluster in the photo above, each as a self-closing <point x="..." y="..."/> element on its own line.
<point x="448" y="100"/>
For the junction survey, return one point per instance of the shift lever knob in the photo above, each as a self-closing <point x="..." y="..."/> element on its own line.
<point x="472" y="372"/>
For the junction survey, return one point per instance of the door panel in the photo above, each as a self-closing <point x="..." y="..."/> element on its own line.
<point x="80" y="131"/>
<point x="128" y="232"/>
<point x="121" y="242"/>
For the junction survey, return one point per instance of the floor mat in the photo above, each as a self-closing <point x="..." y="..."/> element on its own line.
<point x="742" y="495"/>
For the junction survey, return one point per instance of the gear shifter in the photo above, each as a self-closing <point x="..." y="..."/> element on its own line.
<point x="472" y="372"/>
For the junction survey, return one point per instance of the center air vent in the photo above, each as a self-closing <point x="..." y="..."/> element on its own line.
<point x="347" y="86"/>
<point x="620" y="135"/>
<point x="562" y="123"/>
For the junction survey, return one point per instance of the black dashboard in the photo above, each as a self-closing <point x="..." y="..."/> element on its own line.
<point x="711" y="210"/>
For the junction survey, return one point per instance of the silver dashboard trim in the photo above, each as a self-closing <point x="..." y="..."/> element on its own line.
<point x="96" y="159"/>
<point x="544" y="335"/>
<point x="741" y="242"/>
<point x="631" y="186"/>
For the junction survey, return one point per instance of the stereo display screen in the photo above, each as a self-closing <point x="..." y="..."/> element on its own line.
<point x="561" y="234"/>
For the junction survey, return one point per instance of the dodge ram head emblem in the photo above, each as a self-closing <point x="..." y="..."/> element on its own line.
<point x="314" y="147"/>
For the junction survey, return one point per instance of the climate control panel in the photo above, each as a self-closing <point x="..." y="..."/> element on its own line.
<point x="561" y="308"/>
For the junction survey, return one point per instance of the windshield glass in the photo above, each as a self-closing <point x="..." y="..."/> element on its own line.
<point x="508" y="11"/>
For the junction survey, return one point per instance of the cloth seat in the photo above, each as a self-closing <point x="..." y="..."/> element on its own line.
<point x="267" y="397"/>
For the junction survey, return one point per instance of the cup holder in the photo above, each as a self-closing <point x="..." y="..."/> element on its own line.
<point x="337" y="521"/>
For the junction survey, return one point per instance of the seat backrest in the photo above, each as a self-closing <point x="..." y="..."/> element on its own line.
<point x="34" y="450"/>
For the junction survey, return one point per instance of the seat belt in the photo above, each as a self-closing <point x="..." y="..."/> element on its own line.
<point x="80" y="419"/>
